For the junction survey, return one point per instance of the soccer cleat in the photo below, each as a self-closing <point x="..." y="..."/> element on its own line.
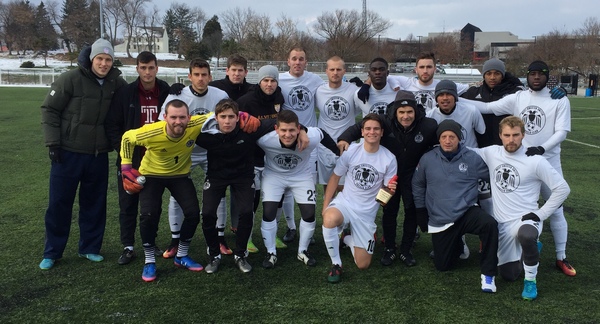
<point x="225" y="249"/>
<point x="529" y="290"/>
<point x="188" y="263"/>
<point x="149" y="272"/>
<point x="389" y="255"/>
<point x="408" y="259"/>
<point x="213" y="265"/>
<point x="46" y="264"/>
<point x="335" y="274"/>
<point x="251" y="247"/>
<point x="465" y="253"/>
<point x="126" y="256"/>
<point x="92" y="257"/>
<point x="290" y="235"/>
<point x="157" y="251"/>
<point x="170" y="252"/>
<point x="279" y="244"/>
<point x="488" y="284"/>
<point x="270" y="261"/>
<point x="566" y="267"/>
<point x="305" y="257"/>
<point x="243" y="264"/>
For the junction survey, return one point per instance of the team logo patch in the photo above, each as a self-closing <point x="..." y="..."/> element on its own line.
<point x="190" y="143"/>
<point x="463" y="132"/>
<point x="300" y="98"/>
<point x="419" y="138"/>
<point x="337" y="108"/>
<point x="379" y="108"/>
<point x="277" y="107"/>
<point x="463" y="167"/>
<point x="507" y="178"/>
<point x="534" y="119"/>
<point x="199" y="111"/>
<point x="287" y="161"/>
<point x="365" y="176"/>
<point x="425" y="98"/>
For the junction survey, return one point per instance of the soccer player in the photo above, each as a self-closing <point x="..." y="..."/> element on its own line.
<point x="445" y="191"/>
<point x="134" y="105"/>
<point x="288" y="169"/>
<point x="381" y="93"/>
<point x="73" y="116"/>
<point x="367" y="167"/>
<point x="517" y="180"/>
<point x="547" y="122"/>
<point x="166" y="164"/>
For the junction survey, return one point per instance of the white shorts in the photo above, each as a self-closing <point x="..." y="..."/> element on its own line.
<point x="325" y="164"/>
<point x="363" y="228"/>
<point x="273" y="187"/>
<point x="258" y="171"/>
<point x="509" y="248"/>
<point x="313" y="162"/>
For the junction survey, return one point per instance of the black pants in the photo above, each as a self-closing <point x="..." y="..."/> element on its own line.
<point x="242" y="192"/>
<point x="390" y="214"/>
<point x="128" y="212"/>
<point x="183" y="190"/>
<point x="447" y="245"/>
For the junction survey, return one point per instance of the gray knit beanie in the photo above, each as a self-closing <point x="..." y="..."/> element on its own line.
<point x="494" y="64"/>
<point x="446" y="86"/>
<point x="268" y="71"/>
<point x="101" y="46"/>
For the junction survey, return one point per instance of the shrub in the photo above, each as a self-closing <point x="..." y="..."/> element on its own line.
<point x="27" y="65"/>
<point x="117" y="63"/>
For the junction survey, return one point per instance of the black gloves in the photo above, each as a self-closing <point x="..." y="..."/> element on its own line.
<point x="357" y="81"/>
<point x="176" y="88"/>
<point x="422" y="219"/>
<point x="363" y="93"/>
<point x="531" y="216"/>
<point x="535" y="150"/>
<point x="54" y="153"/>
<point x="558" y="92"/>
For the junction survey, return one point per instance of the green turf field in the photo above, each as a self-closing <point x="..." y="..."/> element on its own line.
<point x="79" y="291"/>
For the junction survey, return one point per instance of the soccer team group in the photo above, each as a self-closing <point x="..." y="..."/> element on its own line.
<point x="476" y="165"/>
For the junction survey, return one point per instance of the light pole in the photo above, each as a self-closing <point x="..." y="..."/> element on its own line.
<point x="419" y="37"/>
<point x="101" y="21"/>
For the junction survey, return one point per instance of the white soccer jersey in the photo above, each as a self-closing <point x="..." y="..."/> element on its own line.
<point x="336" y="107"/>
<point x="299" y="95"/>
<point x="365" y="174"/>
<point x="425" y="94"/>
<point x="467" y="116"/>
<point x="378" y="100"/>
<point x="285" y="162"/>
<point x="199" y="105"/>
<point x="542" y="115"/>
<point x="516" y="180"/>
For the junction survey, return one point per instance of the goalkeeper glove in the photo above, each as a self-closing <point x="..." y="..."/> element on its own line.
<point x="130" y="179"/>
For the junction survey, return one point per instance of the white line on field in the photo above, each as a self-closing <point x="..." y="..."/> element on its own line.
<point x="586" y="118"/>
<point x="582" y="143"/>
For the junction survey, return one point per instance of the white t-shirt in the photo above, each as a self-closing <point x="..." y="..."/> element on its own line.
<point x="425" y="94"/>
<point x="467" y="116"/>
<point x="378" y="100"/>
<point x="299" y="94"/>
<point x="336" y="107"/>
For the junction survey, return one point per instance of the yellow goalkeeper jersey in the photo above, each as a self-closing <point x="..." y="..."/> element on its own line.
<point x="165" y="156"/>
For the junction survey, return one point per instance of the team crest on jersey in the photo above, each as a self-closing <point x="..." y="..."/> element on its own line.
<point x="287" y="161"/>
<point x="190" y="143"/>
<point x="463" y="167"/>
<point x="463" y="132"/>
<point x="419" y="138"/>
<point x="199" y="111"/>
<point x="534" y="119"/>
<point x="507" y="178"/>
<point x="277" y="107"/>
<point x="337" y="108"/>
<point x="364" y="176"/>
<point x="300" y="98"/>
<point x="379" y="108"/>
<point x="425" y="98"/>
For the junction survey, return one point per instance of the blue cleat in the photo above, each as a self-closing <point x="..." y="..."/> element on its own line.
<point x="92" y="257"/>
<point x="188" y="263"/>
<point x="529" y="290"/>
<point x="149" y="273"/>
<point x="46" y="264"/>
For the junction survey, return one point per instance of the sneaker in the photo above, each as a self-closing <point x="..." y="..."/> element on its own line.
<point x="270" y="261"/>
<point x="465" y="253"/>
<point x="188" y="263"/>
<point x="290" y="235"/>
<point x="488" y="284"/>
<point x="92" y="257"/>
<point x="243" y="264"/>
<point x="225" y="249"/>
<point x="279" y="243"/>
<point x="408" y="259"/>
<point x="389" y="255"/>
<point x="305" y="257"/>
<point x="157" y="251"/>
<point x="566" y="267"/>
<point x="251" y="247"/>
<point x="335" y="274"/>
<point x="46" y="264"/>
<point x="529" y="290"/>
<point x="171" y="251"/>
<point x="149" y="272"/>
<point x="126" y="256"/>
<point x="213" y="265"/>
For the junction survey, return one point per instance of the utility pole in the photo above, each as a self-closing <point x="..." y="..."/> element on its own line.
<point x="101" y="20"/>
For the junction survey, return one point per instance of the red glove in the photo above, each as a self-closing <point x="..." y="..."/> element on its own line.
<point x="248" y="123"/>
<point x="129" y="176"/>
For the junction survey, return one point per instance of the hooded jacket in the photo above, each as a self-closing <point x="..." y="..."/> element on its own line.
<point x="75" y="108"/>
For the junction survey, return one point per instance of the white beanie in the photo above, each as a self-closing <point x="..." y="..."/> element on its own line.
<point x="101" y="46"/>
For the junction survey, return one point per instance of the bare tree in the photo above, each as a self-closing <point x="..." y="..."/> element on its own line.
<point x="114" y="17"/>
<point x="150" y="28"/>
<point x="287" y="36"/>
<point x="587" y="51"/>
<point x="236" y="23"/>
<point x="132" y="13"/>
<point x="260" y="38"/>
<point x="199" y="17"/>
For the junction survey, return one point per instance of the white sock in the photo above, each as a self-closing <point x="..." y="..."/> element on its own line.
<point x="269" y="232"/>
<point x="530" y="271"/>
<point x="182" y="249"/>
<point x="128" y="247"/>
<point x="332" y="242"/>
<point x="288" y="209"/>
<point x="306" y="232"/>
<point x="149" y="254"/>
<point x="175" y="217"/>
<point x="559" y="227"/>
